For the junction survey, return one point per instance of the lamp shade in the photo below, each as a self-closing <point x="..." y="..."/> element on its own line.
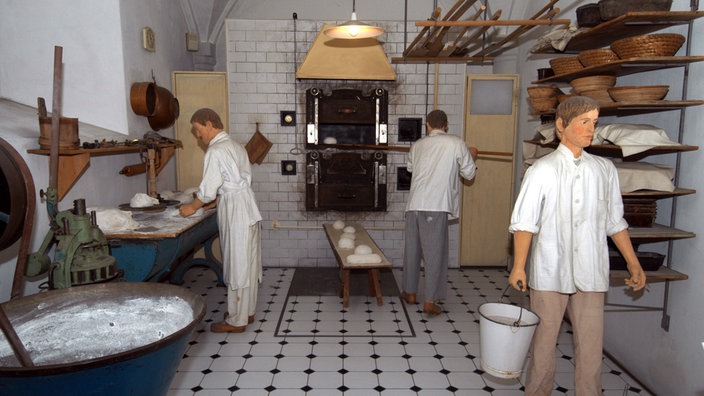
<point x="353" y="29"/>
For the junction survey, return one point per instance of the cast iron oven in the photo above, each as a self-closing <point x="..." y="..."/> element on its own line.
<point x="342" y="172"/>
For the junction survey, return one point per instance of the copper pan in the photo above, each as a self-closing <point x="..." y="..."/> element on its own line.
<point x="143" y="98"/>
<point x="166" y="110"/>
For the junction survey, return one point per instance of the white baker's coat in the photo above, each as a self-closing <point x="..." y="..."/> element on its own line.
<point x="228" y="173"/>
<point x="435" y="184"/>
<point x="571" y="210"/>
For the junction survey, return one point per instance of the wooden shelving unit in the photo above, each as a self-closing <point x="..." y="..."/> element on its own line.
<point x="629" y="25"/>
<point x="73" y="162"/>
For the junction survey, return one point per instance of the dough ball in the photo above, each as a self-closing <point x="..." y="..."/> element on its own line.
<point x="364" y="259"/>
<point x="349" y="235"/>
<point x="329" y="140"/>
<point x="167" y="194"/>
<point x="362" y="249"/>
<point x="346" y="243"/>
<point x="142" y="200"/>
<point x="349" y="229"/>
<point x="338" y="224"/>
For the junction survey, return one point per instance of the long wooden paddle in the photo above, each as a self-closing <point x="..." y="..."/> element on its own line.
<point x="461" y="49"/>
<point x="515" y="34"/>
<point x="433" y="17"/>
<point x="450" y="48"/>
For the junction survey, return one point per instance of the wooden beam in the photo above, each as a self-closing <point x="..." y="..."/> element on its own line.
<point x="515" y="22"/>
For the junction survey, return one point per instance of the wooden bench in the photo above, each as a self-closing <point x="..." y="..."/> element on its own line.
<point x="362" y="238"/>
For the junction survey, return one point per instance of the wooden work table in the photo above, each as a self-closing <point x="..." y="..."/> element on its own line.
<point x="341" y="254"/>
<point x="163" y="245"/>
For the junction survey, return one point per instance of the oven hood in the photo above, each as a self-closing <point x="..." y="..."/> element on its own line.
<point x="342" y="59"/>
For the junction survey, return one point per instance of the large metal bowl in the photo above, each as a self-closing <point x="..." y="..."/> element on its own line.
<point x="143" y="369"/>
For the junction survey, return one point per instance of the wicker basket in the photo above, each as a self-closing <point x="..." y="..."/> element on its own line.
<point x="664" y="44"/>
<point x="639" y="94"/>
<point x="592" y="83"/>
<point x="566" y="64"/>
<point x="601" y="96"/>
<point x="543" y="91"/>
<point x="543" y="104"/>
<point x="596" y="57"/>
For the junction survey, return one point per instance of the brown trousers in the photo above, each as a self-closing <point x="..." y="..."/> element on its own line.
<point x="586" y="313"/>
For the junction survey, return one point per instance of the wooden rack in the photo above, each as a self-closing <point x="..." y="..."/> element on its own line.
<point x="434" y="44"/>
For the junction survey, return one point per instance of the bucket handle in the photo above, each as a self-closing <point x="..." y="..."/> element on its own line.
<point x="517" y="322"/>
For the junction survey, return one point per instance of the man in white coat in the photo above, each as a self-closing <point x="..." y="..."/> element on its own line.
<point x="227" y="179"/>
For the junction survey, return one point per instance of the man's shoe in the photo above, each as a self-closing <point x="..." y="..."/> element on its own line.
<point x="431" y="308"/>
<point x="224" y="327"/>
<point x="250" y="318"/>
<point x="409" y="297"/>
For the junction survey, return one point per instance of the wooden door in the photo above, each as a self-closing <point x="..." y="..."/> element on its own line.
<point x="490" y="125"/>
<point x="195" y="90"/>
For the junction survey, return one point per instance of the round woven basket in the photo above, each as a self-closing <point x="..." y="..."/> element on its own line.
<point x="664" y="44"/>
<point x="543" y="104"/>
<point x="596" y="57"/>
<point x="601" y="96"/>
<point x="566" y="64"/>
<point x="638" y="94"/>
<point x="592" y="83"/>
<point x="542" y="91"/>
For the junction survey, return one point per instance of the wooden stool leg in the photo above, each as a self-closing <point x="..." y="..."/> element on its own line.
<point x="345" y="287"/>
<point x="375" y="285"/>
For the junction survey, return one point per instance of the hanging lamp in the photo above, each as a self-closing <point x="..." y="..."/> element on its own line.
<point x="353" y="29"/>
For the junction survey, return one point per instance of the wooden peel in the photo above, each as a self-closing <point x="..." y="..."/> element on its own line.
<point x="434" y="17"/>
<point x="437" y="45"/>
<point x="521" y="29"/>
<point x="461" y="49"/>
<point x="422" y="50"/>
<point x="450" y="48"/>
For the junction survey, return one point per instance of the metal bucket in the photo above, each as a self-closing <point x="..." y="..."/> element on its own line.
<point x="505" y="334"/>
<point x="145" y="369"/>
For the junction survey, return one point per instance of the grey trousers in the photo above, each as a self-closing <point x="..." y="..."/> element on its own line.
<point x="586" y="313"/>
<point x="427" y="239"/>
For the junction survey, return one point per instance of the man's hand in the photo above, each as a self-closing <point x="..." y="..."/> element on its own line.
<point x="473" y="152"/>
<point x="517" y="279"/>
<point x="637" y="279"/>
<point x="186" y="210"/>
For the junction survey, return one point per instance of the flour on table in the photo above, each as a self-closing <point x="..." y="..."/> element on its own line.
<point x="113" y="219"/>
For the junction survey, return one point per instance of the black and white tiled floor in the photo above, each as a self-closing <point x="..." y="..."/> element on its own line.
<point x="362" y="350"/>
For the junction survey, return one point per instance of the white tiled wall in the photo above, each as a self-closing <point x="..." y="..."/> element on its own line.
<point x="261" y="73"/>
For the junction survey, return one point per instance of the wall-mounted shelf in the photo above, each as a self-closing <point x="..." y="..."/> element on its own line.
<point x="624" y="67"/>
<point x="628" y="25"/>
<point x="614" y="151"/>
<point x="73" y="162"/>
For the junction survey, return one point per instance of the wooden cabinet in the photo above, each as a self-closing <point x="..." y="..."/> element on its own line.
<point x="628" y="25"/>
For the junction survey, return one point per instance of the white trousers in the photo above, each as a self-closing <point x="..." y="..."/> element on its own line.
<point x="242" y="302"/>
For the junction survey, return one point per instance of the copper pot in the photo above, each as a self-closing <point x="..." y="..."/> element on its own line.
<point x="143" y="98"/>
<point x="166" y="109"/>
